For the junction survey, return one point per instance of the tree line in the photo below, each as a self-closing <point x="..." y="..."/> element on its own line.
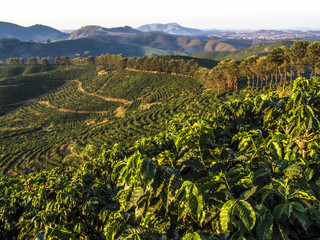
<point x="279" y="65"/>
<point x="30" y="61"/>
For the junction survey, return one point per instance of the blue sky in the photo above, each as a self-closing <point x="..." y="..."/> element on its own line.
<point x="205" y="14"/>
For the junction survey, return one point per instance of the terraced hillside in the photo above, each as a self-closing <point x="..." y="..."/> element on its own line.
<point x="82" y="106"/>
<point x="21" y="84"/>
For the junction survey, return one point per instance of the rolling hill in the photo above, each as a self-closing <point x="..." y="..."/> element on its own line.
<point x="96" y="40"/>
<point x="142" y="44"/>
<point x="92" y="30"/>
<point x="81" y="47"/>
<point x="260" y="49"/>
<point x="163" y="41"/>
<point x="34" y="33"/>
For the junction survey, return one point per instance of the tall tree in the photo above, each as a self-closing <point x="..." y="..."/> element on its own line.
<point x="64" y="60"/>
<point x="298" y="52"/>
<point x="44" y="61"/>
<point x="229" y="71"/>
<point x="13" y="61"/>
<point x="279" y="57"/>
<point x="32" y="61"/>
<point x="21" y="61"/>
<point x="246" y="68"/>
<point x="261" y="70"/>
<point x="57" y="60"/>
<point x="313" y="57"/>
<point x="90" y="60"/>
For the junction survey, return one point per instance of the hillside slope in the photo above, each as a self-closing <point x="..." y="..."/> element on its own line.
<point x="118" y="106"/>
<point x="260" y="49"/>
<point x="35" y="33"/>
<point x="128" y="45"/>
<point x="171" y="43"/>
<point x="247" y="168"/>
<point x="93" y="30"/>
<point x="160" y="40"/>
<point x="73" y="48"/>
<point x="96" y="40"/>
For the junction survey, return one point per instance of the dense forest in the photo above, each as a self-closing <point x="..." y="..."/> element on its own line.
<point x="161" y="147"/>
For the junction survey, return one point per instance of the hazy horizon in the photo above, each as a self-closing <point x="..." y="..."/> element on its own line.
<point x="205" y="14"/>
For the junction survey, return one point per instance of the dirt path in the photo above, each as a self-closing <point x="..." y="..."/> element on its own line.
<point x="80" y="88"/>
<point x="68" y="110"/>
<point x="124" y="101"/>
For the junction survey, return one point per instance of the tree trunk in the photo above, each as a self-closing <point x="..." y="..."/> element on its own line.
<point x="311" y="74"/>
<point x="248" y="82"/>
<point x="280" y="75"/>
<point x="266" y="79"/>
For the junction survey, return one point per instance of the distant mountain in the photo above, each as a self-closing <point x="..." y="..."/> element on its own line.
<point x="170" y="28"/>
<point x="68" y="31"/>
<point x="174" y="28"/>
<point x="158" y="40"/>
<point x="92" y="30"/>
<point x="35" y="33"/>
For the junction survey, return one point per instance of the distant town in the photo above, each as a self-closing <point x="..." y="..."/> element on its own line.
<point x="268" y="35"/>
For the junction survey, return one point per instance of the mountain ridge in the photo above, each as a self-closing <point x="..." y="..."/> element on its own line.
<point x="36" y="32"/>
<point x="95" y="30"/>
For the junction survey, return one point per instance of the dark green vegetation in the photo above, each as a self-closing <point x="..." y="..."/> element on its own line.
<point x="20" y="84"/>
<point x="97" y="157"/>
<point x="260" y="49"/>
<point x="119" y="106"/>
<point x="249" y="169"/>
<point x="72" y="48"/>
<point x="133" y="98"/>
